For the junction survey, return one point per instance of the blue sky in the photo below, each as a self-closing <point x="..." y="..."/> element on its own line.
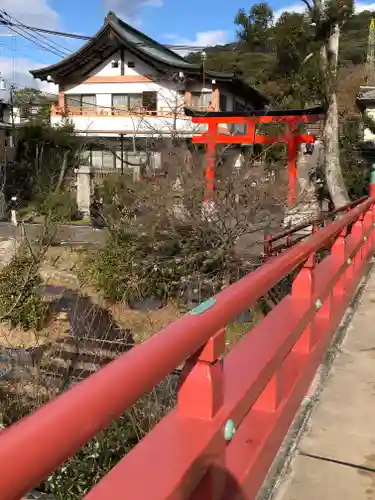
<point x="194" y="22"/>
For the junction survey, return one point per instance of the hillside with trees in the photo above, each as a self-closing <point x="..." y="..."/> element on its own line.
<point x="270" y="54"/>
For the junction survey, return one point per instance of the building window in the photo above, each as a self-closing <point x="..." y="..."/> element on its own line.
<point x="101" y="159"/>
<point x="134" y="103"/>
<point x="134" y="161"/>
<point x="114" y="64"/>
<point x="201" y="100"/>
<point x="223" y="102"/>
<point x="126" y="102"/>
<point x="81" y="103"/>
<point x="131" y="64"/>
<point x="150" y="102"/>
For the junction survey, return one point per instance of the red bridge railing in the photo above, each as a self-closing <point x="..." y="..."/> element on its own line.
<point x="289" y="236"/>
<point x="256" y="390"/>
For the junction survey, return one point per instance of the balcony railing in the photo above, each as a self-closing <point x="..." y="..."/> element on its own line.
<point x="105" y="111"/>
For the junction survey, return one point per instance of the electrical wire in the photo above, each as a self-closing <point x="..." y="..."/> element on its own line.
<point x="36" y="42"/>
<point x="23" y="31"/>
<point x="87" y="38"/>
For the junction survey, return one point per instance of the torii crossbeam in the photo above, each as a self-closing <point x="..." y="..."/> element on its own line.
<point x="291" y="118"/>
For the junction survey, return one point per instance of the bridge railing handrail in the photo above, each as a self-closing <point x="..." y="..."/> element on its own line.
<point x="311" y="222"/>
<point x="66" y="423"/>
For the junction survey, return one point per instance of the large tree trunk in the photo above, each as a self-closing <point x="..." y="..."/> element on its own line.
<point x="334" y="177"/>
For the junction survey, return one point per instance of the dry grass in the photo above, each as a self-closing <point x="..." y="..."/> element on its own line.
<point x="58" y="269"/>
<point x="144" y="324"/>
<point x="19" y="338"/>
<point x="141" y="324"/>
<point x="64" y="259"/>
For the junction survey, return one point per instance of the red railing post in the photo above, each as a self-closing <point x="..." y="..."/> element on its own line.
<point x="201" y="386"/>
<point x="272" y="394"/>
<point x="372" y="236"/>
<point x="357" y="233"/>
<point x="201" y="396"/>
<point x="302" y="293"/>
<point x="289" y="239"/>
<point x="372" y="182"/>
<point x="367" y="229"/>
<point x="338" y="253"/>
<point x="372" y="208"/>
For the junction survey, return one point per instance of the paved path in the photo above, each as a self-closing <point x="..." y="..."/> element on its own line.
<point x="336" y="458"/>
<point x="71" y="234"/>
<point x="7" y="251"/>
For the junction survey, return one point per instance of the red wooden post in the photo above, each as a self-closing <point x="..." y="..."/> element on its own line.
<point x="357" y="233"/>
<point x="302" y="292"/>
<point x="338" y="252"/>
<point x="272" y="394"/>
<point x="211" y="156"/>
<point x="202" y="386"/>
<point x="372" y="182"/>
<point x="201" y="396"/>
<point x="267" y="246"/>
<point x="292" y="170"/>
<point x="289" y="239"/>
<point x="250" y="135"/>
<point x="367" y="230"/>
<point x="372" y="195"/>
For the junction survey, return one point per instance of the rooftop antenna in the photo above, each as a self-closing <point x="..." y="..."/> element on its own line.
<point x="370" y="62"/>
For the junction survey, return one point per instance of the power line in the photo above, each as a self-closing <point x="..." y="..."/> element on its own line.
<point x="39" y="40"/>
<point x="35" y="41"/>
<point x="87" y="38"/>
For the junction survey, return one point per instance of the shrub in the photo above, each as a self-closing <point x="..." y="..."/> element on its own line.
<point x="59" y="207"/>
<point x="134" y="266"/>
<point x="165" y="243"/>
<point x="19" y="299"/>
<point x="78" y="475"/>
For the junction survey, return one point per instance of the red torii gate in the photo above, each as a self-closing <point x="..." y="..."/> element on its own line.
<point x="292" y="118"/>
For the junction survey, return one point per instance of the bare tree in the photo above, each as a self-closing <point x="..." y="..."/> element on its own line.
<point x="327" y="17"/>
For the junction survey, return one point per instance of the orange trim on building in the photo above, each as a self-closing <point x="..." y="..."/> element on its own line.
<point x="120" y="79"/>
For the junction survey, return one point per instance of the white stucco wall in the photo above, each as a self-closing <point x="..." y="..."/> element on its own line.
<point x="170" y="100"/>
<point x="140" y="68"/>
<point x="143" y="126"/>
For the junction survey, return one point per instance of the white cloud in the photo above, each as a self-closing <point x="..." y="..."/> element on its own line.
<point x="300" y="8"/>
<point x="170" y="36"/>
<point x="33" y="12"/>
<point x="202" y="39"/>
<point x="361" y="6"/>
<point x="129" y="10"/>
<point x="19" y="73"/>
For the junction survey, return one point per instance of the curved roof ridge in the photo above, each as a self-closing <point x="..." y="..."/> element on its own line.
<point x="111" y="16"/>
<point x="121" y="28"/>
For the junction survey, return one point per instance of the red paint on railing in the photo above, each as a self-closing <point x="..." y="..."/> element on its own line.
<point x="315" y="223"/>
<point x="259" y="385"/>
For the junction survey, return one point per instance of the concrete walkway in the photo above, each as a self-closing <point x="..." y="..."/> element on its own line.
<point x="336" y="458"/>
